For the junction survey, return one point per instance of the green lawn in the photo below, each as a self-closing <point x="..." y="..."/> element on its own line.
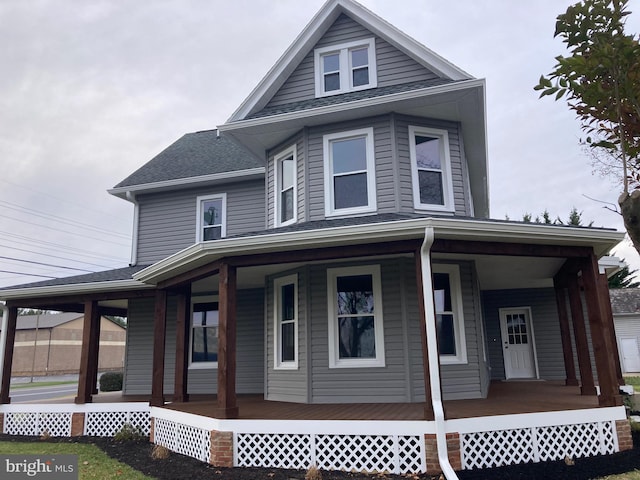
<point x="41" y="384"/>
<point x="92" y="462"/>
<point x="635" y="381"/>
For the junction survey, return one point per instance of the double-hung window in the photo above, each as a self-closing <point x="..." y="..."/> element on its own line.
<point x="211" y="217"/>
<point x="349" y="169"/>
<point x="286" y="322"/>
<point x="345" y="67"/>
<point x="204" y="334"/>
<point x="449" y="315"/>
<point x="431" y="169"/>
<point x="286" y="191"/>
<point x="356" y="336"/>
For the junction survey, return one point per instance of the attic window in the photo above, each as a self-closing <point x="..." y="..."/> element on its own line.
<point x="211" y="217"/>
<point x="346" y="67"/>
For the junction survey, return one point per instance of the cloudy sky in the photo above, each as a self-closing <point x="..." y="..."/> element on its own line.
<point x="90" y="90"/>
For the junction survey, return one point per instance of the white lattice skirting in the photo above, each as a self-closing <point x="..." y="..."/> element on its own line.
<point x="100" y="420"/>
<point x="505" y="447"/>
<point x="184" y="439"/>
<point x="368" y="453"/>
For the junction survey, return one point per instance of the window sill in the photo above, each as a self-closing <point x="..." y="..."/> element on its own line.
<point x="203" y="366"/>
<point x="374" y="363"/>
<point x="285" y="366"/>
<point x="453" y="361"/>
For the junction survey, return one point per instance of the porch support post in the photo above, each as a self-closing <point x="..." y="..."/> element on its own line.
<point x="565" y="335"/>
<point x="601" y="336"/>
<point x="227" y="401"/>
<point x="605" y="301"/>
<point x="7" y="360"/>
<point x="587" y="387"/>
<point x="183" y="325"/>
<point x="88" y="354"/>
<point x="159" y="335"/>
<point x="422" y="318"/>
<point x="95" y="350"/>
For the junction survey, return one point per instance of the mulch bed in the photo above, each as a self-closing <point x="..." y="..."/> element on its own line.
<point x="137" y="454"/>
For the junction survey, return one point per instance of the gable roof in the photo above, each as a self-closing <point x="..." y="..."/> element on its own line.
<point x="202" y="157"/>
<point x="312" y="33"/>
<point x="45" y="320"/>
<point x="625" y="300"/>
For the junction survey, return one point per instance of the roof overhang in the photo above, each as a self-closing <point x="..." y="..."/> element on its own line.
<point x="77" y="289"/>
<point x="455" y="229"/>
<point x="462" y="102"/>
<point x="314" y="31"/>
<point x="180" y="183"/>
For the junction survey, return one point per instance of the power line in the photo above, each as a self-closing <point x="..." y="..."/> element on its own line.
<point x="64" y="231"/>
<point x="53" y="256"/>
<point x="45" y="264"/>
<point x="67" y="221"/>
<point x="63" y="200"/>
<point x="74" y="250"/>
<point x="27" y="274"/>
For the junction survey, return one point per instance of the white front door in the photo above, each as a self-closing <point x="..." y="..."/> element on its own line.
<point x="517" y="343"/>
<point x="630" y="355"/>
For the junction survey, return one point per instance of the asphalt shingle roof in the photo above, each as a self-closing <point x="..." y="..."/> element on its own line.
<point x="125" y="273"/>
<point x="193" y="155"/>
<point x="348" y="97"/>
<point x="625" y="300"/>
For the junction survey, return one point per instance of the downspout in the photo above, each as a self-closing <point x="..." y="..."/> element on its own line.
<point x="3" y="334"/>
<point x="136" y="220"/>
<point x="432" y="355"/>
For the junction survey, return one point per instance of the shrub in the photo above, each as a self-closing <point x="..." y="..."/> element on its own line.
<point x="111" y="382"/>
<point x="128" y="433"/>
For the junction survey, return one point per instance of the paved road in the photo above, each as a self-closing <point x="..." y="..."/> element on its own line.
<point x="40" y="394"/>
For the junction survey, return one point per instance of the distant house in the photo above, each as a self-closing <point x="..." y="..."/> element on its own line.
<point x="50" y="344"/>
<point x="625" y="303"/>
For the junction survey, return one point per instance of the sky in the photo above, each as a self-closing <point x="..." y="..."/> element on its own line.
<point x="91" y="90"/>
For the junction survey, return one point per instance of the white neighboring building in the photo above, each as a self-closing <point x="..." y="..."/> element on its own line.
<point x="625" y="303"/>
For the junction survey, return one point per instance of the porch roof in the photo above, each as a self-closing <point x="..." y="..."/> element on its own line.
<point x="377" y="229"/>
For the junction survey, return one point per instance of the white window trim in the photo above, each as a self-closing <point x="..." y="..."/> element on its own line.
<point x="199" y="227"/>
<point x="278" y="188"/>
<point x="371" y="206"/>
<point x="199" y="365"/>
<point x="278" y="283"/>
<point x="458" y="313"/>
<point x="447" y="181"/>
<point x="345" y="66"/>
<point x="332" y="276"/>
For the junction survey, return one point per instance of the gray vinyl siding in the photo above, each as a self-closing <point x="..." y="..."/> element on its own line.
<point x="139" y="350"/>
<point x="167" y="221"/>
<point x="353" y="385"/>
<point x="462" y="202"/>
<point x="546" y="329"/>
<point x="393" y="66"/>
<point x="284" y="384"/>
<point x="459" y="381"/>
<point x="300" y="179"/>
<point x="384" y="164"/>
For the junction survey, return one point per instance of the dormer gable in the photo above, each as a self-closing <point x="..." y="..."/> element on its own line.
<point x="352" y="57"/>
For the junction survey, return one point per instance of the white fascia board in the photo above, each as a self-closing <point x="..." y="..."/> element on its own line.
<point x="185" y="182"/>
<point x="364" y="103"/>
<point x="285" y="65"/>
<point x="403" y="42"/>
<point x="314" y="31"/>
<point x="463" y="229"/>
<point x="72" y="289"/>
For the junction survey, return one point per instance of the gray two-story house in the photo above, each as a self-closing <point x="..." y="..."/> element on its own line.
<point x="322" y="268"/>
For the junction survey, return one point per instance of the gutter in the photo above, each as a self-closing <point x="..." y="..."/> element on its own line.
<point x="136" y="223"/>
<point x="3" y="335"/>
<point x="432" y="354"/>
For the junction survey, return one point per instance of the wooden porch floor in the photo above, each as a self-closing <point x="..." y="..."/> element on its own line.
<point x="504" y="398"/>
